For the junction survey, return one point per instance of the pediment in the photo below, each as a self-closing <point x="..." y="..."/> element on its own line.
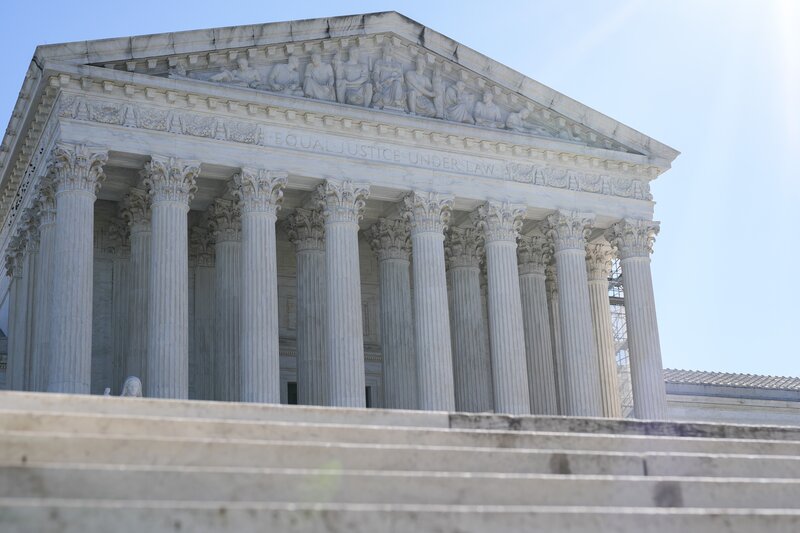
<point x="383" y="62"/>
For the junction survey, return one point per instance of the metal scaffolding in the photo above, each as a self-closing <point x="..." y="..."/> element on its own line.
<point x="616" y="296"/>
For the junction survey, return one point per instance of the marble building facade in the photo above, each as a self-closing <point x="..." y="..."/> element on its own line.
<point x="355" y="210"/>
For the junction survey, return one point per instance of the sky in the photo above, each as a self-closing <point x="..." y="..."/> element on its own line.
<point x="717" y="80"/>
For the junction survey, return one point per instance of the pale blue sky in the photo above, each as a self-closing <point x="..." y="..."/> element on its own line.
<point x="717" y="80"/>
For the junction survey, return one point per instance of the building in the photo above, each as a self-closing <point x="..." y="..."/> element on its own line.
<point x="241" y="214"/>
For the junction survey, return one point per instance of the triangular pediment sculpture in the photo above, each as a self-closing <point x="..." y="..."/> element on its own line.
<point x="382" y="72"/>
<point x="379" y="61"/>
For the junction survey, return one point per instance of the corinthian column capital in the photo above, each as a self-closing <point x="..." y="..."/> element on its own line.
<point x="598" y="261"/>
<point x="633" y="237"/>
<point x="171" y="180"/>
<point x="136" y="210"/>
<point x="427" y="212"/>
<point x="306" y="229"/>
<point x="500" y="221"/>
<point x="201" y="246"/>
<point x="534" y="253"/>
<point x="390" y="239"/>
<point x="79" y="167"/>
<point x="463" y="247"/>
<point x="568" y="229"/>
<point x="225" y="220"/>
<point x="342" y="201"/>
<point x="46" y="198"/>
<point x="259" y="190"/>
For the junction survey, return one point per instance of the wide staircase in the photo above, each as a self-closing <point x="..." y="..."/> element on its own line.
<point x="87" y="463"/>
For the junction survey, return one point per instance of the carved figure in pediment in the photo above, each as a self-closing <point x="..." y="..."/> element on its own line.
<point x="179" y="71"/>
<point x="458" y="104"/>
<point x="285" y="78"/>
<point x="243" y="75"/>
<point x="387" y="78"/>
<point x="319" y="80"/>
<point x="421" y="94"/>
<point x="518" y="121"/>
<point x="487" y="113"/>
<point x="353" y="85"/>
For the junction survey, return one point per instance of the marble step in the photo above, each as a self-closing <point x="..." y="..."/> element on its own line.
<point x="70" y="516"/>
<point x="189" y="427"/>
<point x="332" y="485"/>
<point x="384" y="417"/>
<point x="22" y="447"/>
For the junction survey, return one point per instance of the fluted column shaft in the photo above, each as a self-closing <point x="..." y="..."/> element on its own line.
<point x="260" y="193"/>
<point x="78" y="175"/>
<point x="634" y="241"/>
<point x="500" y="223"/>
<point x="472" y="365"/>
<point x="551" y="286"/>
<point x="15" y="365"/>
<point x="225" y="223"/>
<point x="391" y="243"/>
<point x="136" y="210"/>
<point x="44" y="289"/>
<point x="598" y="265"/>
<point x="342" y="204"/>
<point x="428" y="214"/>
<point x="120" y="324"/>
<point x="171" y="183"/>
<point x="534" y="253"/>
<point x="306" y="230"/>
<point x="581" y="372"/>
<point x="202" y="249"/>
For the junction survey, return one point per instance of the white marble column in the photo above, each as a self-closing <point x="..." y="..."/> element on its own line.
<point x="551" y="286"/>
<point x="136" y="211"/>
<point x="598" y="266"/>
<point x="429" y="213"/>
<point x="633" y="240"/>
<point x="391" y="242"/>
<point x="202" y="249"/>
<point x="44" y="286"/>
<point x="534" y="253"/>
<point x="472" y="365"/>
<point x="32" y="288"/>
<point x="306" y="230"/>
<point x="501" y="222"/>
<point x="78" y="177"/>
<point x="342" y="204"/>
<point x="15" y="363"/>
<point x="225" y="223"/>
<point x="171" y="183"/>
<point x="260" y="193"/>
<point x="120" y="302"/>
<point x="581" y="372"/>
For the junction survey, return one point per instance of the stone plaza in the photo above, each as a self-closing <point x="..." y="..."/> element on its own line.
<point x="329" y="216"/>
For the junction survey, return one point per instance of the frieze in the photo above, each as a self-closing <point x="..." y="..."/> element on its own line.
<point x="184" y="122"/>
